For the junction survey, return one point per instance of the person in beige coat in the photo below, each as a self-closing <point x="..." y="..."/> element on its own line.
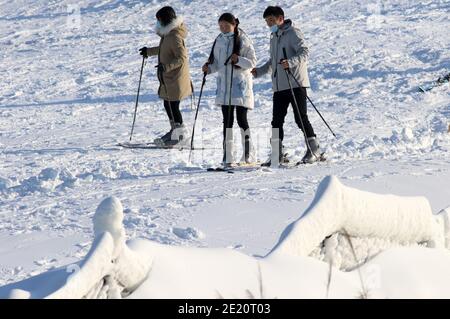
<point x="172" y="70"/>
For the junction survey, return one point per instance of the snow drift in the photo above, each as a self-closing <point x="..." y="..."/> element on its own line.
<point x="340" y="223"/>
<point x="109" y="270"/>
<point x="341" y="216"/>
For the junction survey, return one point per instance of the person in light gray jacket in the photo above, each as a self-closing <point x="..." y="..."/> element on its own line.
<point x="286" y="38"/>
<point x="232" y="58"/>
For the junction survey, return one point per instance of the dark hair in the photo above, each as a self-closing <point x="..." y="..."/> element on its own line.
<point x="275" y="11"/>
<point x="166" y="15"/>
<point x="228" y="17"/>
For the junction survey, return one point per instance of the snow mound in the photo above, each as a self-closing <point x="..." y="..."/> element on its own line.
<point x="109" y="270"/>
<point x="340" y="217"/>
<point x="108" y="218"/>
<point x="188" y="233"/>
<point x="19" y="294"/>
<point x="443" y="219"/>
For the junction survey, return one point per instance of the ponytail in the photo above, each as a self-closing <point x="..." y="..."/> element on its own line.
<point x="238" y="41"/>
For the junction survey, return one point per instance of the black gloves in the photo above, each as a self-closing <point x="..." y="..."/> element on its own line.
<point x="143" y="52"/>
<point x="160" y="67"/>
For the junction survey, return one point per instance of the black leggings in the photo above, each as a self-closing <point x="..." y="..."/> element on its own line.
<point x="228" y="118"/>
<point x="173" y="111"/>
<point x="281" y="101"/>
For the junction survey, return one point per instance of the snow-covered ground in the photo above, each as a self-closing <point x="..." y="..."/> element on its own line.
<point x="67" y="97"/>
<point x="357" y="240"/>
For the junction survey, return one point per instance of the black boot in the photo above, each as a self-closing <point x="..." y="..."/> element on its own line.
<point x="313" y="153"/>
<point x="247" y="149"/>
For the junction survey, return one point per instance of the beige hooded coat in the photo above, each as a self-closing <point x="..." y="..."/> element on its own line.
<point x="175" y="82"/>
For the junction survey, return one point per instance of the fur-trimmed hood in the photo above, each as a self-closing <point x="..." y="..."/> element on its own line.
<point x="178" y="22"/>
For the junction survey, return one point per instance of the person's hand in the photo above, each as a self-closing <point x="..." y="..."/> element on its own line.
<point x="143" y="52"/>
<point x="253" y="71"/>
<point x="285" y="64"/>
<point x="234" y="58"/>
<point x="161" y="68"/>
<point x="205" y="68"/>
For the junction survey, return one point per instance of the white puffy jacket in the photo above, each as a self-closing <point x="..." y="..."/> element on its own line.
<point x="242" y="89"/>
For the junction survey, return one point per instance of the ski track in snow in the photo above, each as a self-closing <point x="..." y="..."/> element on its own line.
<point x="67" y="97"/>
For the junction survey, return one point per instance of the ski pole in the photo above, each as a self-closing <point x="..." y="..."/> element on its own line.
<point x="230" y="110"/>
<point x="137" y="98"/>
<point x="304" y="91"/>
<point x="296" y="109"/>
<point x="196" y="114"/>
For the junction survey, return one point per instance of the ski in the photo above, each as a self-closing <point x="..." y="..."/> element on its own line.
<point x="440" y="81"/>
<point x="284" y="161"/>
<point x="321" y="159"/>
<point x="220" y="169"/>
<point x="157" y="146"/>
<point x="297" y="164"/>
<point x="235" y="167"/>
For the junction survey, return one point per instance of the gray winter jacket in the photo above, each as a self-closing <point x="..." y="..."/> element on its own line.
<point x="292" y="39"/>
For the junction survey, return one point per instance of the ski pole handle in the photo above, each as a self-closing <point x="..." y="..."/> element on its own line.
<point x="284" y="59"/>
<point x="284" y="53"/>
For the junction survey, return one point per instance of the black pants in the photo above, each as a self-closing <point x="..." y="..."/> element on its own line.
<point x="281" y="101"/>
<point x="173" y="111"/>
<point x="228" y="118"/>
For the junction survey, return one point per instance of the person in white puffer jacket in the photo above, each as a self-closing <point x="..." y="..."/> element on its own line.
<point x="233" y="49"/>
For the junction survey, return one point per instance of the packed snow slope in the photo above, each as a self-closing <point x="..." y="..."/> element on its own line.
<point x="69" y="79"/>
<point x="413" y="240"/>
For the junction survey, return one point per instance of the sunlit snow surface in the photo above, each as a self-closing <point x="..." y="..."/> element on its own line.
<point x="67" y="97"/>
